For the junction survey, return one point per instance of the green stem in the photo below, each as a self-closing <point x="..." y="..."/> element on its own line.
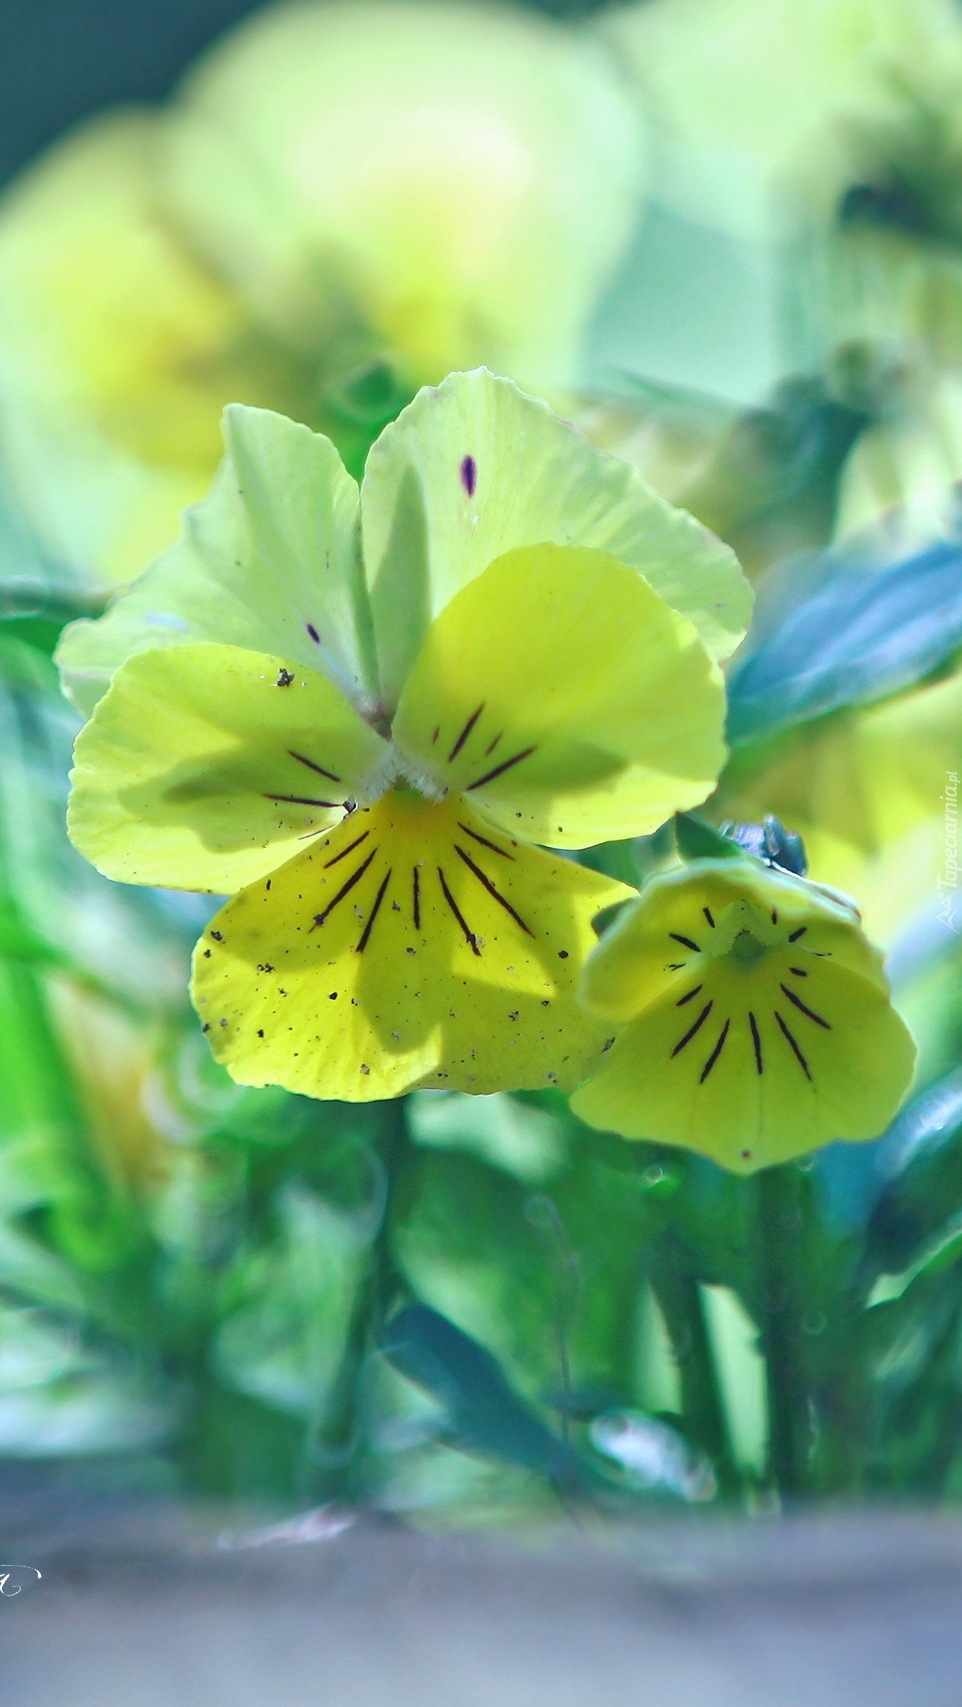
<point x="386" y="1283"/>
<point x="679" y="1299"/>
<point x="345" y="1435"/>
<point x="779" y="1225"/>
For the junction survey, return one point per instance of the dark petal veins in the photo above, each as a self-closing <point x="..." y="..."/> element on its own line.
<point x="301" y="800"/>
<point x="499" y="770"/>
<point x="484" y="841"/>
<point x="345" y="889"/>
<point x="492" y="891"/>
<point x="312" y="766"/>
<point x="800" y="1005"/>
<point x="689" y="1034"/>
<point x="379" y="897"/>
<point x="469" y="935"/>
<point x="756" y="1039"/>
<point x="794" y="1045"/>
<point x="345" y="851"/>
<point x="713" y="1057"/>
<point x="459" y="743"/>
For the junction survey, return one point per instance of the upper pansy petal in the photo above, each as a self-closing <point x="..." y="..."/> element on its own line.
<point x="562" y="695"/>
<point x="413" y="946"/>
<point x="271" y="559"/>
<point x="474" y="469"/>
<point x="205" y="766"/>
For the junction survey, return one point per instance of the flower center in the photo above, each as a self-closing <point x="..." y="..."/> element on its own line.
<point x="396" y="769"/>
<point x="741" y="933"/>
<point x="747" y="948"/>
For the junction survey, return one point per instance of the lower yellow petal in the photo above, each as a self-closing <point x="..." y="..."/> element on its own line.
<point x="415" y="945"/>
<point x="755" y="1069"/>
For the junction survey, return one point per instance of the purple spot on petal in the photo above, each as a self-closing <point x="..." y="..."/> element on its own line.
<point x="469" y="475"/>
<point x="312" y="631"/>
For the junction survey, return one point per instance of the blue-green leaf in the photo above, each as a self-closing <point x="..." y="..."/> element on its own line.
<point x="835" y="632"/>
<point x="921" y="1156"/>
<point x="485" y="1414"/>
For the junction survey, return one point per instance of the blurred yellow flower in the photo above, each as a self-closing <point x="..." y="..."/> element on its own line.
<point x="463" y="175"/>
<point x="865" y="789"/>
<point x="428" y="185"/>
<point x="744" y="93"/>
<point x="117" y="351"/>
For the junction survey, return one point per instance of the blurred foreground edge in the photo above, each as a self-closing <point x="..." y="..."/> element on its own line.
<point x="155" y="1605"/>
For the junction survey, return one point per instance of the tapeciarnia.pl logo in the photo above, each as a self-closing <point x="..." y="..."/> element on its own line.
<point x="14" y="1578"/>
<point x="948" y="881"/>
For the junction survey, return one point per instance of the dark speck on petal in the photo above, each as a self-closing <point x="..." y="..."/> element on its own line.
<point x="312" y="631"/>
<point x="469" y="475"/>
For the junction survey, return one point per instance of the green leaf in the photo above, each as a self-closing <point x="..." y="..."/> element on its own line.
<point x="485" y="1414"/>
<point x="698" y="840"/>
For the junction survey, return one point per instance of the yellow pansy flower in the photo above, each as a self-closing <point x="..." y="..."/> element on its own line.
<point x="360" y="713"/>
<point x="756" y="1018"/>
<point x="425" y="186"/>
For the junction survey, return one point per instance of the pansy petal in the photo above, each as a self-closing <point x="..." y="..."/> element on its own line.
<point x="679" y="918"/>
<point x="269" y="560"/>
<point x="414" y="946"/>
<point x="750" y="1079"/>
<point x="475" y="469"/>
<point x="205" y="766"/>
<point x="566" y="698"/>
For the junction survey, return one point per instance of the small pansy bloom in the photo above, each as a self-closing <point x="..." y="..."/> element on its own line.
<point x="756" y="1018"/>
<point x="360" y="715"/>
